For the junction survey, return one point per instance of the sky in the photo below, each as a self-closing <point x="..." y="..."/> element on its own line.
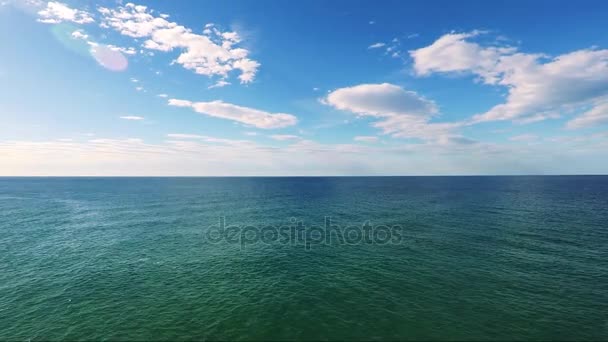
<point x="303" y="88"/>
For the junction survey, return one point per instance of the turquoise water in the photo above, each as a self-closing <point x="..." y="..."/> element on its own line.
<point x="134" y="259"/>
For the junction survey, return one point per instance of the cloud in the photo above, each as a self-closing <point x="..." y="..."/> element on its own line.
<point x="453" y="53"/>
<point x="206" y="138"/>
<point x="79" y="34"/>
<point x="524" y="137"/>
<point x="126" y="51"/>
<point x="401" y="113"/>
<point x="596" y="116"/>
<point x="214" y="53"/>
<point x="376" y="46"/>
<point x="380" y="100"/>
<point x="184" y="136"/>
<point x="284" y="137"/>
<point x="163" y="95"/>
<point x="455" y="140"/>
<point x="538" y="87"/>
<point x="132" y="118"/>
<point x="248" y="116"/>
<point x="200" y="155"/>
<point x="57" y="12"/>
<point x="219" y="84"/>
<point x="367" y="139"/>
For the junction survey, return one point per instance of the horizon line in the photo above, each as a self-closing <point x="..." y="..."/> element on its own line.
<point x="319" y="176"/>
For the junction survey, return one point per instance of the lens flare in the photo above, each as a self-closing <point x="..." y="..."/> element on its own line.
<point x="108" y="58"/>
<point x="64" y="34"/>
<point x="78" y="41"/>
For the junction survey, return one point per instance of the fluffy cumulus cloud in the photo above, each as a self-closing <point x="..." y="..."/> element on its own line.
<point x="212" y="53"/>
<point x="453" y="53"/>
<point x="380" y="100"/>
<point x="399" y="112"/>
<point x="248" y="116"/>
<point x="57" y="12"/>
<point x="539" y="87"/>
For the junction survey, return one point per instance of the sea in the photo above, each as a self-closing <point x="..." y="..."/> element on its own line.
<point x="304" y="258"/>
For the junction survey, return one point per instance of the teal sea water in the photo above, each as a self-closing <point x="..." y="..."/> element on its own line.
<point x="479" y="258"/>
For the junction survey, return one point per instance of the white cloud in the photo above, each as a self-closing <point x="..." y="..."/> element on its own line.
<point x="212" y="53"/>
<point x="412" y="127"/>
<point x="208" y="139"/>
<point x="219" y="84"/>
<point x="134" y="80"/>
<point x="284" y="137"/>
<point x="132" y="118"/>
<point x="401" y="113"/>
<point x="245" y="115"/>
<point x="524" y="137"/>
<point x="380" y="100"/>
<point x="185" y="136"/>
<point x="538" y="87"/>
<point x="376" y="46"/>
<point x="79" y="34"/>
<point x="593" y="117"/>
<point x="194" y="155"/>
<point x="57" y="12"/>
<point x="453" y="53"/>
<point x="126" y="51"/>
<point x="180" y="103"/>
<point x="163" y="95"/>
<point x="140" y="89"/>
<point x="251" y="134"/>
<point x="367" y="139"/>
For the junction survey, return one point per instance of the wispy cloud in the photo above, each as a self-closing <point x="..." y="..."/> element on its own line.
<point x="376" y="45"/>
<point x="284" y="137"/>
<point x="219" y="84"/>
<point x="524" y="137"/>
<point x="248" y="116"/>
<point x="596" y="116"/>
<point x="132" y="118"/>
<point x="367" y="139"/>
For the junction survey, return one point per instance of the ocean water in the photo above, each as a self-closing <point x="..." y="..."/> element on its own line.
<point x="469" y="258"/>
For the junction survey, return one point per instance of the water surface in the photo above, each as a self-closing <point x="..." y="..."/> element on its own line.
<point x="127" y="258"/>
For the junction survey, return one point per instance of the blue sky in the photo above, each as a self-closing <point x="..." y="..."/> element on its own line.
<point x="303" y="88"/>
